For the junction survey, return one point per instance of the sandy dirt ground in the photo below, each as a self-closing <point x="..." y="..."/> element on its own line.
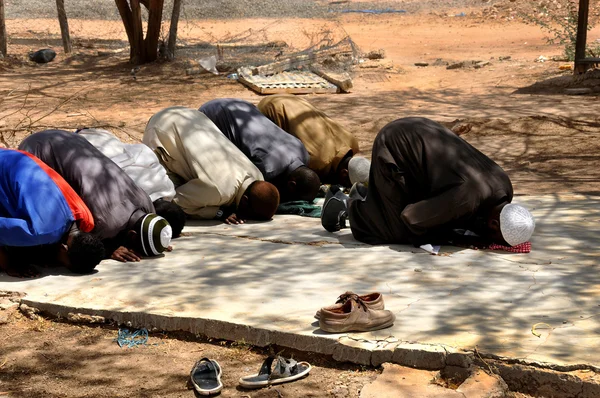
<point x="546" y="140"/>
<point x="45" y="358"/>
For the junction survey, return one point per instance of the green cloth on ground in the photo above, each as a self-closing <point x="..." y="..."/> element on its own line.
<point x="301" y="208"/>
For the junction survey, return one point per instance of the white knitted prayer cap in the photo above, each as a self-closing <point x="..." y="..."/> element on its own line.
<point x="358" y="170"/>
<point x="516" y="224"/>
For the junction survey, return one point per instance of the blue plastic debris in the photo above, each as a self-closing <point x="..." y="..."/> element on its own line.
<point x="462" y="14"/>
<point x="132" y="339"/>
<point x="371" y="11"/>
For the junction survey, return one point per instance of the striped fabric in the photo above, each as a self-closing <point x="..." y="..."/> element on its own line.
<point x="156" y="235"/>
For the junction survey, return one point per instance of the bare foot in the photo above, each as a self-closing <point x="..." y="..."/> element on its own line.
<point x="21" y="271"/>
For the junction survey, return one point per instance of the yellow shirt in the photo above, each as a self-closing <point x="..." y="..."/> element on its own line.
<point x="326" y="141"/>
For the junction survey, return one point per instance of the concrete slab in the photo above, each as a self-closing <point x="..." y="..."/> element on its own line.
<point x="264" y="282"/>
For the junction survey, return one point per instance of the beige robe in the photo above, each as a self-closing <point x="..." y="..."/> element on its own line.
<point x="208" y="171"/>
<point x="326" y="141"/>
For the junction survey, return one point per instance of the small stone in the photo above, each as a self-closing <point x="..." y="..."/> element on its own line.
<point x="482" y="385"/>
<point x="7" y="305"/>
<point x="369" y="64"/>
<point x="504" y="58"/>
<point x="340" y="392"/>
<point x="83" y="318"/>
<point x="457" y="65"/>
<point x="29" y="312"/>
<point x="377" y="54"/>
<point x="421" y="64"/>
<point x="578" y="91"/>
<point x="481" y="64"/>
<point x="42" y="56"/>
<point x="397" y="381"/>
<point x="461" y="128"/>
<point x="277" y="44"/>
<point x="418" y="270"/>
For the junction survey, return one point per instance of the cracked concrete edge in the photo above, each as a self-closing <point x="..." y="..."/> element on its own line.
<point x="343" y="349"/>
<point x="523" y="377"/>
<point x="543" y="382"/>
<point x="539" y="364"/>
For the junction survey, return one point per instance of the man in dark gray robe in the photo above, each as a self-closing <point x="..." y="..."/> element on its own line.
<point x="116" y="202"/>
<point x="425" y="183"/>
<point x="280" y="157"/>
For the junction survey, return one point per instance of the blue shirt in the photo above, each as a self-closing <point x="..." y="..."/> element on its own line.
<point x="33" y="210"/>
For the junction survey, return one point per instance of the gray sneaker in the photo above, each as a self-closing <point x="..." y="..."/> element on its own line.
<point x="354" y="316"/>
<point x="358" y="191"/>
<point x="334" y="215"/>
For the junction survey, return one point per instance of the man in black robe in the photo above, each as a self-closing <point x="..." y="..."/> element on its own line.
<point x="425" y="184"/>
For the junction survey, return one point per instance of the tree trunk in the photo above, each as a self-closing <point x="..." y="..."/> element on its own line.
<point x="141" y="50"/>
<point x="64" y="25"/>
<point x="154" y="24"/>
<point x="137" y="44"/>
<point x="173" y="29"/>
<point x="3" y="38"/>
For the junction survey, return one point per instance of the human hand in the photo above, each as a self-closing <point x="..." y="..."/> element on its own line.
<point x="234" y="219"/>
<point x="124" y="255"/>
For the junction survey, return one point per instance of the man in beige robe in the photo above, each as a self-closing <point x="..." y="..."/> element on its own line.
<point x="213" y="179"/>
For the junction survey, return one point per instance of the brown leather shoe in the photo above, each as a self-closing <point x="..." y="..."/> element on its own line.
<point x="354" y="316"/>
<point x="373" y="300"/>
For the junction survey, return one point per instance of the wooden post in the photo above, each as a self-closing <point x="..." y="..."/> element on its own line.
<point x="3" y="38"/>
<point x="173" y="29"/>
<point x="580" y="45"/>
<point x="64" y="26"/>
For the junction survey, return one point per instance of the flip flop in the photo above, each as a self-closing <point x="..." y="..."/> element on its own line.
<point x="206" y="377"/>
<point x="285" y="370"/>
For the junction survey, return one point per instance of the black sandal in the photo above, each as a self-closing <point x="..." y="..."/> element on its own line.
<point x="206" y="377"/>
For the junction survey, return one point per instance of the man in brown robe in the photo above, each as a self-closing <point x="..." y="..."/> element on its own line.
<point x="331" y="147"/>
<point x="425" y="183"/>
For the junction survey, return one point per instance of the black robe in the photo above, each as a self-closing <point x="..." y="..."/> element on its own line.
<point x="424" y="182"/>
<point x="114" y="199"/>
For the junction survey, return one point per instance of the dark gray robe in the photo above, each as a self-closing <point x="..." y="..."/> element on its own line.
<point x="273" y="151"/>
<point x="425" y="181"/>
<point x="114" y="199"/>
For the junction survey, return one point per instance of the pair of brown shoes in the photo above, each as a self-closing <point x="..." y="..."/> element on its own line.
<point x="354" y="313"/>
